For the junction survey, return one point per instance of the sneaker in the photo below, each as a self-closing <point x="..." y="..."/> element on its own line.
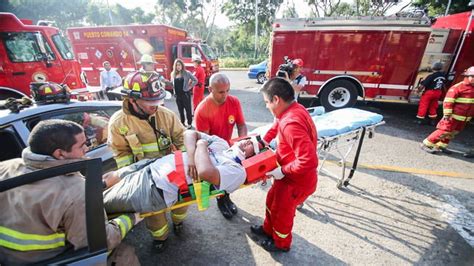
<point x="431" y="150"/>
<point x="222" y="205"/>
<point x="159" y="246"/>
<point x="178" y="228"/>
<point x="446" y="151"/>
<point x="269" y="245"/>
<point x="258" y="230"/>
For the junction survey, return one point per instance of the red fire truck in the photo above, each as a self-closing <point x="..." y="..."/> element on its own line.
<point x="123" y="46"/>
<point x="376" y="59"/>
<point x="30" y="53"/>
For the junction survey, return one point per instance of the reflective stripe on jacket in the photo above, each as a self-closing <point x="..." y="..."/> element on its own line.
<point x="132" y="139"/>
<point x="459" y="102"/>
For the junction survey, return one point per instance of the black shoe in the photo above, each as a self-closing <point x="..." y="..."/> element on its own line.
<point x="468" y="155"/>
<point x="269" y="245"/>
<point x="222" y="204"/>
<point x="446" y="151"/>
<point x="258" y="230"/>
<point x="433" y="122"/>
<point x="159" y="246"/>
<point x="178" y="228"/>
<point x="230" y="205"/>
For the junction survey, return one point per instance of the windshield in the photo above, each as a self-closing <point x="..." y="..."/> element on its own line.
<point x="208" y="51"/>
<point x="25" y="47"/>
<point x="63" y="47"/>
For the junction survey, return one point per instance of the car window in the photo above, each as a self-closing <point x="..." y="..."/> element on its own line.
<point x="95" y="125"/>
<point x="25" y="47"/>
<point x="11" y="144"/>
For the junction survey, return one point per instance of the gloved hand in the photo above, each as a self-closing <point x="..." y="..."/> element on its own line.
<point x="137" y="218"/>
<point x="276" y="173"/>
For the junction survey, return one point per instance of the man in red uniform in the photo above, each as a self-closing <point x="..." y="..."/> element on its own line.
<point x="198" y="90"/>
<point x="431" y="89"/>
<point x="296" y="178"/>
<point x="458" y="110"/>
<point x="218" y="114"/>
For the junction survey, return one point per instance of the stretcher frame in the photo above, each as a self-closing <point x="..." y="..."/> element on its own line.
<point x="341" y="146"/>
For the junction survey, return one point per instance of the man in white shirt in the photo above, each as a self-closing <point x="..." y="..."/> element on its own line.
<point x="109" y="79"/>
<point x="145" y="186"/>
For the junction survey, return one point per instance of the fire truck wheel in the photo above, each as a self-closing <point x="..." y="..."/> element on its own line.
<point x="261" y="78"/>
<point x="338" y="94"/>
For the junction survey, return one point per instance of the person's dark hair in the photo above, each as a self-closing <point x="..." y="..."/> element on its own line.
<point x="49" y="135"/>
<point x="278" y="87"/>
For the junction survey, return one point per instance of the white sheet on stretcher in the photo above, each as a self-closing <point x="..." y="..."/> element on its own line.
<point x="336" y="122"/>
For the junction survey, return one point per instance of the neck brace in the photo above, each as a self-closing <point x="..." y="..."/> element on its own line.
<point x="236" y="154"/>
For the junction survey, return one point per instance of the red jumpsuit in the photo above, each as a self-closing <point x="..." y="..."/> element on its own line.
<point x="459" y="106"/>
<point x="434" y="85"/>
<point x="198" y="90"/>
<point x="296" y="154"/>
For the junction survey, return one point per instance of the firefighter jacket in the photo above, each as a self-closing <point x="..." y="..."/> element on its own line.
<point x="296" y="146"/>
<point x="459" y="102"/>
<point x="132" y="138"/>
<point x="43" y="219"/>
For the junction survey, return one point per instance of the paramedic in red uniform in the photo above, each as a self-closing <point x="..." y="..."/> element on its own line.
<point x="458" y="110"/>
<point x="296" y="178"/>
<point x="431" y="90"/>
<point x="218" y="114"/>
<point x="198" y="90"/>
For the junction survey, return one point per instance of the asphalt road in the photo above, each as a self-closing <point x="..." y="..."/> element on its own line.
<point x="402" y="207"/>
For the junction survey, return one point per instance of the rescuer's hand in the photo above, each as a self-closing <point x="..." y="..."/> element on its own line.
<point x="276" y="173"/>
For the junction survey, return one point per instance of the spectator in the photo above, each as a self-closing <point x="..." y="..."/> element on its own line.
<point x="183" y="81"/>
<point x="218" y="114"/>
<point x="109" y="80"/>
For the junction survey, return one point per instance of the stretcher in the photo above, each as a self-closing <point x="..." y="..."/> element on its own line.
<point x="339" y="132"/>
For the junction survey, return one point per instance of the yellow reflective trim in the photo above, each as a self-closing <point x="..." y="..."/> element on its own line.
<point x="464" y="100"/>
<point x="125" y="224"/>
<point x="449" y="100"/>
<point x="23" y="242"/>
<point x="150" y="147"/>
<point x="48" y="90"/>
<point x="460" y="117"/>
<point x="144" y="78"/>
<point x="441" y="144"/>
<point x="179" y="217"/>
<point x="428" y="143"/>
<point x="447" y="111"/>
<point x="124" y="161"/>
<point x="268" y="210"/>
<point x="160" y="232"/>
<point x="136" y="86"/>
<point x="280" y="235"/>
<point x="126" y="85"/>
<point x="123" y="130"/>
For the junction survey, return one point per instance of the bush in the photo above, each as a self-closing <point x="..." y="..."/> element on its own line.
<point x="230" y="62"/>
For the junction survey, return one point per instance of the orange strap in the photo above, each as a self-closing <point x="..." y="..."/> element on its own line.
<point x="178" y="177"/>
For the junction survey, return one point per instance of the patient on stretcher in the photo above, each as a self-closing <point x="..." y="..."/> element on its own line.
<point x="154" y="184"/>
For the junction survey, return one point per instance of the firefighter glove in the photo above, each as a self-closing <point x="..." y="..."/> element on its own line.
<point x="276" y="173"/>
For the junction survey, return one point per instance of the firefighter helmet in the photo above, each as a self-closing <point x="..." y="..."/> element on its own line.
<point x="469" y="72"/>
<point x="147" y="59"/>
<point x="437" y="66"/>
<point x="145" y="86"/>
<point x="49" y="92"/>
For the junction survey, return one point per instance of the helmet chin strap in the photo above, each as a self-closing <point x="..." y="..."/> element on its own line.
<point x="140" y="112"/>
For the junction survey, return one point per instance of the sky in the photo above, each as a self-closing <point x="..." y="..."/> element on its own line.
<point x="221" y="20"/>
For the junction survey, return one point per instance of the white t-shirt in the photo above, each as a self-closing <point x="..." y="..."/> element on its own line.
<point x="232" y="174"/>
<point x="109" y="79"/>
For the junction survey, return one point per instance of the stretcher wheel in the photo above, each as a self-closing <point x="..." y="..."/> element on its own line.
<point x="346" y="183"/>
<point x="339" y="184"/>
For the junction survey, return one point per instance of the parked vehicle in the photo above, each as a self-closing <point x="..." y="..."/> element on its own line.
<point x="123" y="46"/>
<point x="258" y="72"/>
<point x="376" y="59"/>
<point x="93" y="116"/>
<point x="30" y="53"/>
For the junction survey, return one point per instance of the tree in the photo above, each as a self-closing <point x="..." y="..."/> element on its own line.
<point x="438" y="7"/>
<point x="328" y="8"/>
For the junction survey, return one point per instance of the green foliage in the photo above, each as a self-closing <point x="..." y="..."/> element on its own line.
<point x="438" y="7"/>
<point x="232" y="62"/>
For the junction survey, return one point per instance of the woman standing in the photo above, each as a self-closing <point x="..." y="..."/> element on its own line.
<point x="183" y="81"/>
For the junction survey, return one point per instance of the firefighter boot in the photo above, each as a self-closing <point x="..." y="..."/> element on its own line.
<point x="428" y="149"/>
<point x="178" y="228"/>
<point x="269" y="245"/>
<point x="159" y="246"/>
<point x="258" y="230"/>
<point x="433" y="122"/>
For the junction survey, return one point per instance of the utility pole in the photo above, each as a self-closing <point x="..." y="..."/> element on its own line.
<point x="256" y="28"/>
<point x="110" y="14"/>
<point x="447" y="8"/>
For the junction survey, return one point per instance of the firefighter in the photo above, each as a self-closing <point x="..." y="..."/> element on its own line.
<point x="200" y="74"/>
<point x="458" y="109"/>
<point x="46" y="218"/>
<point x="144" y="129"/>
<point x="296" y="177"/>
<point x="431" y="90"/>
